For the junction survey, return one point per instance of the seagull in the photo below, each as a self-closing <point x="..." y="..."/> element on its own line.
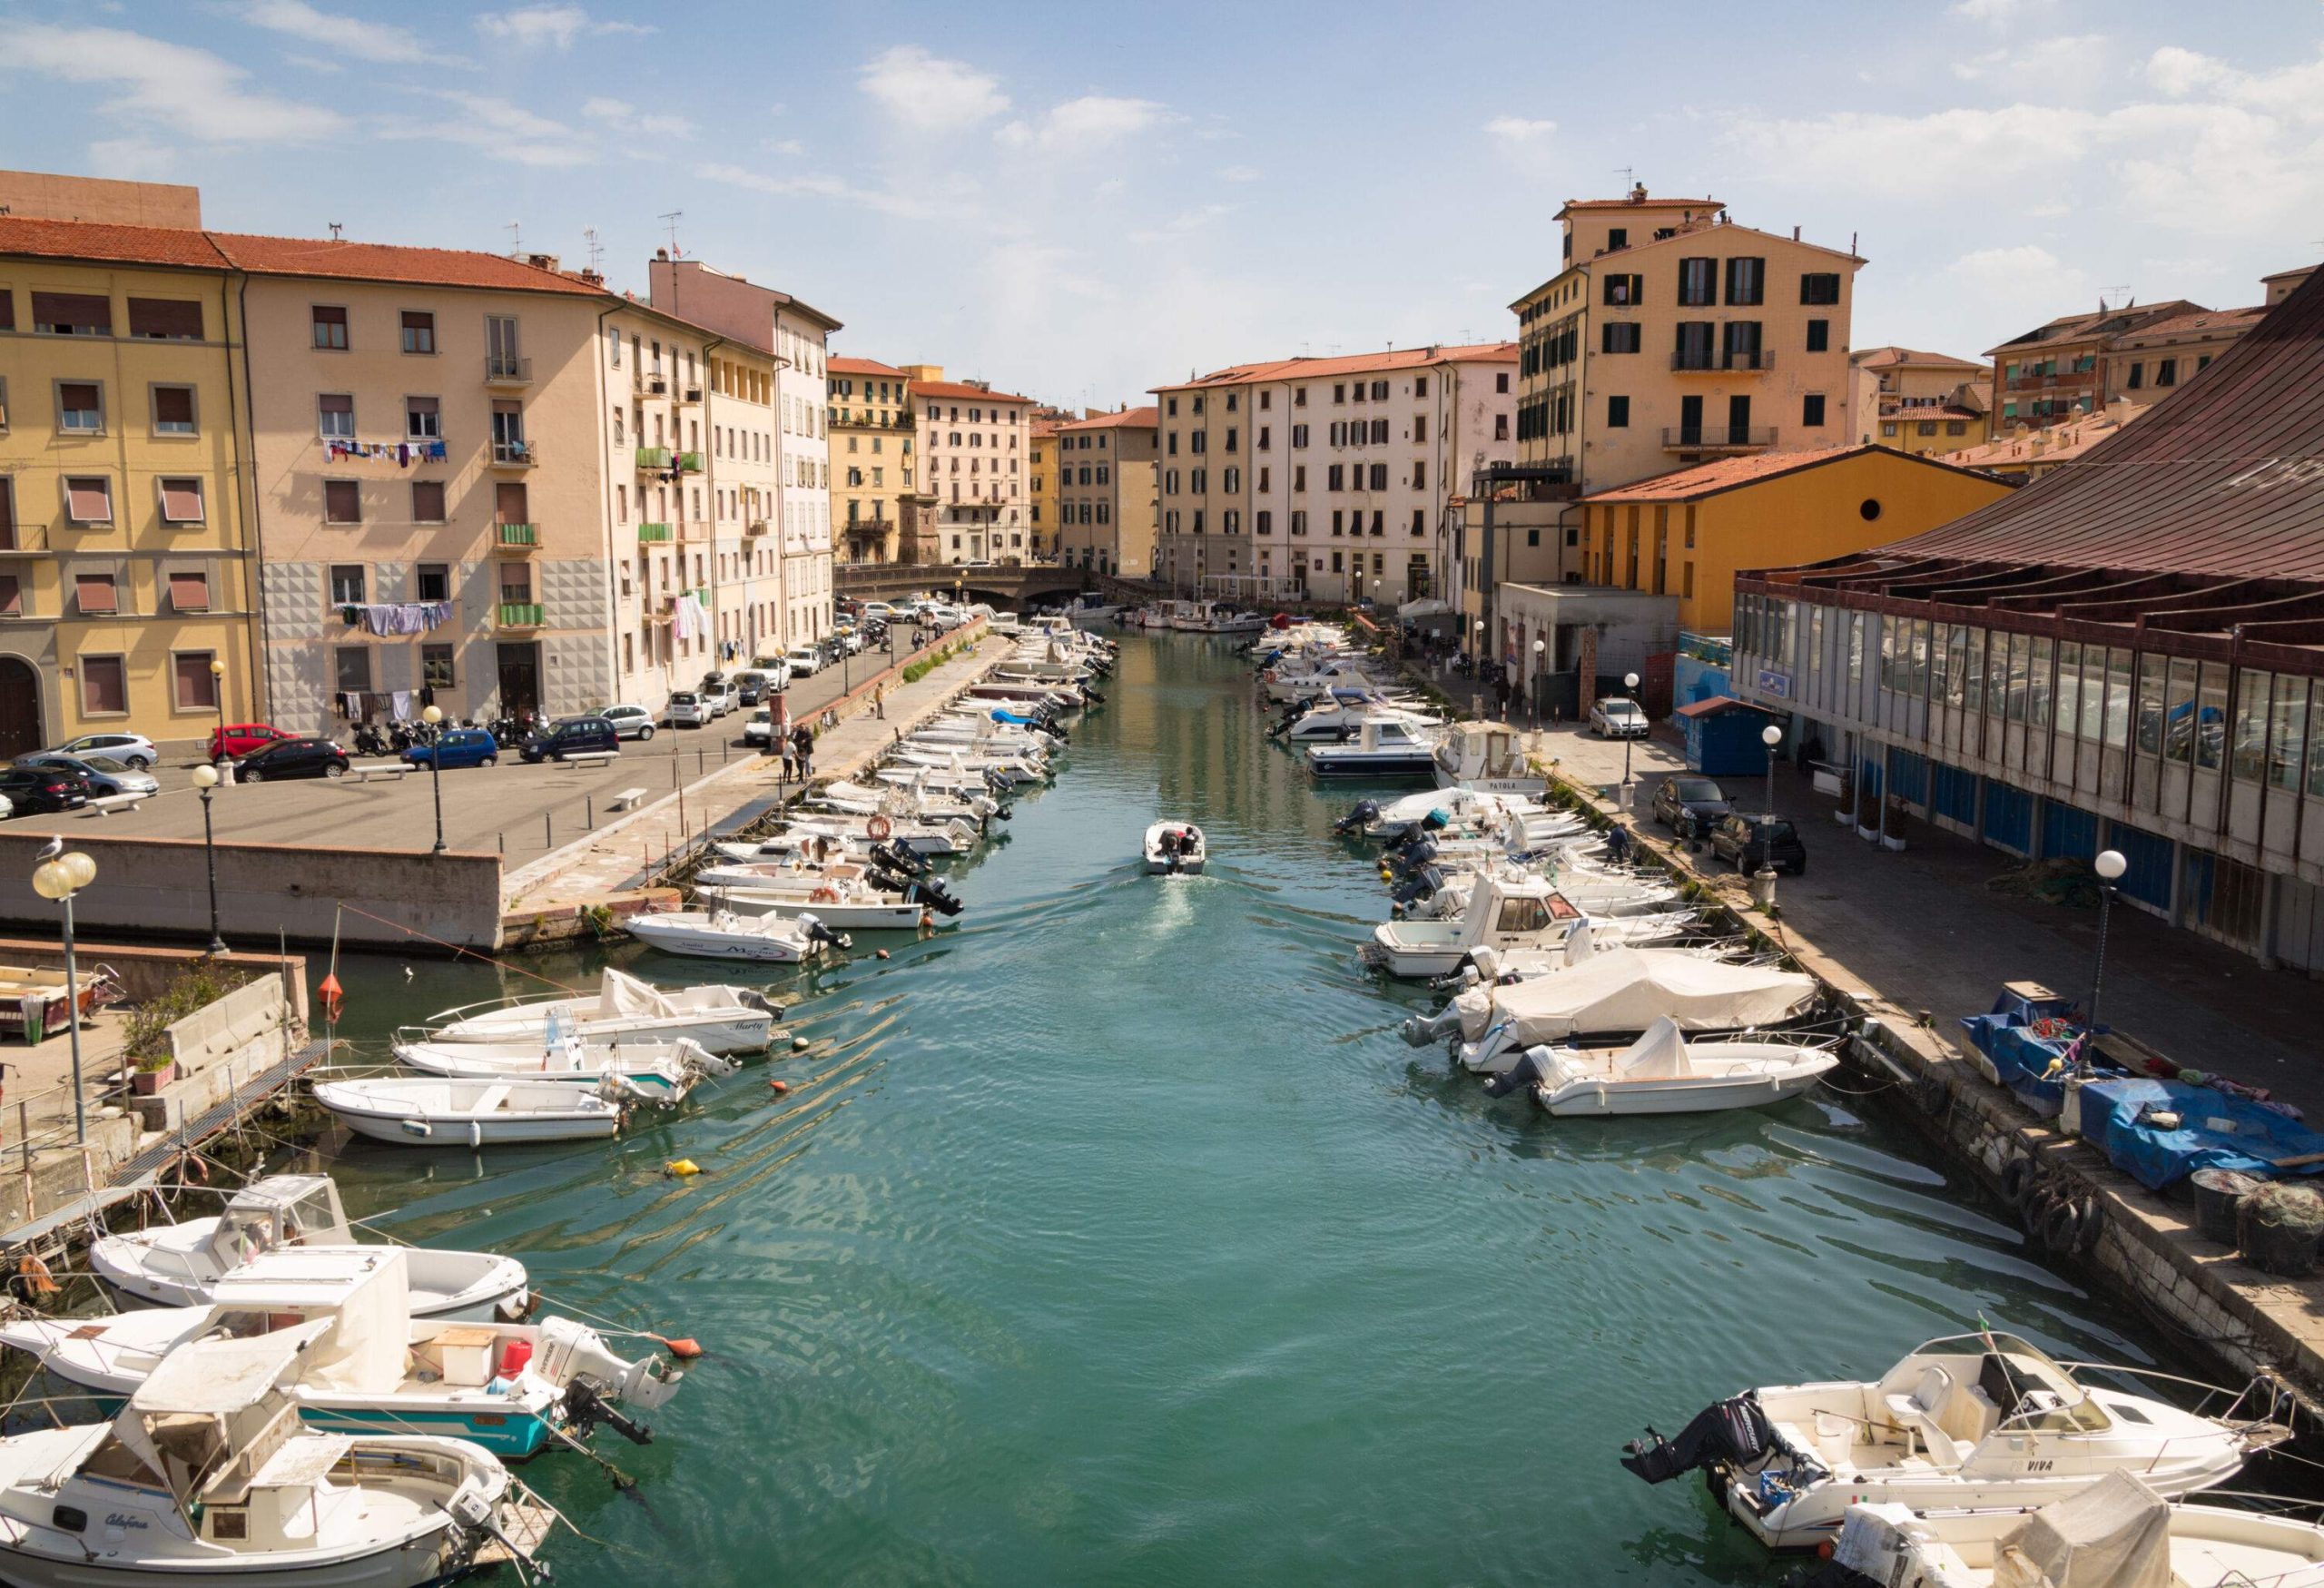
<point x="55" y="847"/>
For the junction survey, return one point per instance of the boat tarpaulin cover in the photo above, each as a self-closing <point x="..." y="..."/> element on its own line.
<point x="2214" y="1131"/>
<point x="1628" y="989"/>
<point x="1660" y="1055"/>
<point x="622" y="994"/>
<point x="2114" y="1534"/>
<point x="216" y="1377"/>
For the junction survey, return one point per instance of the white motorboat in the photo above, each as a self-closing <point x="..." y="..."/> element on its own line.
<point x="179" y="1265"/>
<point x="724" y="1019"/>
<point x="2116" y="1533"/>
<point x="1175" y="849"/>
<point x="1489" y="757"/>
<point x="858" y="910"/>
<point x="1381" y="748"/>
<point x="430" y="1112"/>
<point x="374" y="1368"/>
<point x="1456" y="810"/>
<point x="721" y="934"/>
<point x="1975" y="1422"/>
<point x="1504" y="913"/>
<point x="1664" y="1073"/>
<point x="207" y="1476"/>
<point x="653" y="1067"/>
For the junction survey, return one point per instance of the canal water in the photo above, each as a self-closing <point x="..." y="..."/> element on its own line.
<point x="1115" y="1237"/>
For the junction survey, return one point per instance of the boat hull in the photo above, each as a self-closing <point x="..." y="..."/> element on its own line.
<point x="407" y="1563"/>
<point x="1378" y="764"/>
<point x="1592" y="1100"/>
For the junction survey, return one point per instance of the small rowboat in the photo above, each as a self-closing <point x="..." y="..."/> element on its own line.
<point x="1174" y="849"/>
<point x="427" y="1111"/>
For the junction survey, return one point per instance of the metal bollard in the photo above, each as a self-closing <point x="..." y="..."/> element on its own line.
<point x="548" y="831"/>
<point x="589" y="804"/>
<point x="503" y="842"/>
<point x="1763" y="887"/>
<point x="698" y="762"/>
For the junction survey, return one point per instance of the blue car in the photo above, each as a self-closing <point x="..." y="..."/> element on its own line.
<point x="460" y="747"/>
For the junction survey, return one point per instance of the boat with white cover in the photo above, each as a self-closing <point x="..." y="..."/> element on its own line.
<point x="2116" y="1533"/>
<point x="374" y="1368"/>
<point x="431" y="1111"/>
<point x="1456" y="809"/>
<point x="649" y="1066"/>
<point x="1980" y="1421"/>
<point x="724" y="1019"/>
<point x="1175" y="849"/>
<point x="207" y="1476"/>
<point x="852" y="909"/>
<point x="721" y="934"/>
<point x="1504" y="913"/>
<point x="1664" y="1073"/>
<point x="179" y="1265"/>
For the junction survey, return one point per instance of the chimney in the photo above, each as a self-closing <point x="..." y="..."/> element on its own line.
<point x="1637" y="193"/>
<point x="1795" y="233"/>
<point x="663" y="254"/>
<point x="541" y="261"/>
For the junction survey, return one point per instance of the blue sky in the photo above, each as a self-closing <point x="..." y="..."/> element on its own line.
<point x="1081" y="200"/>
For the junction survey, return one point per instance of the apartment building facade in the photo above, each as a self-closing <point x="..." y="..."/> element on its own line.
<point x="1326" y="478"/>
<point x="747" y="596"/>
<point x="1104" y="487"/>
<point x="127" y="572"/>
<point x="871" y="458"/>
<point x="975" y="446"/>
<point x="1923" y="403"/>
<point x="1041" y="487"/>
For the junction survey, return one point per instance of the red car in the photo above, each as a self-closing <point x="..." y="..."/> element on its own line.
<point x="240" y="739"/>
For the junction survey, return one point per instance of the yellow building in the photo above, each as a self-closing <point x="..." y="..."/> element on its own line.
<point x="1923" y="403"/>
<point x="1686" y="534"/>
<point x="1106" y="491"/>
<point x="1041" y="459"/>
<point x="126" y="563"/>
<point x="872" y="461"/>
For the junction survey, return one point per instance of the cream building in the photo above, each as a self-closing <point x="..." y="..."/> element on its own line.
<point x="1104" y="487"/>
<point x="1923" y="403"/>
<point x="872" y="433"/>
<point x="974" y="447"/>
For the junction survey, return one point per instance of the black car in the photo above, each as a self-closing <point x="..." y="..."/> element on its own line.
<point x="34" y="791"/>
<point x="1748" y="841"/>
<point x="575" y="736"/>
<point x="292" y="758"/>
<point x="1689" y="805"/>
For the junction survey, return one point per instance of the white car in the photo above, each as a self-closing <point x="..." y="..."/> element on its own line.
<point x="719" y="696"/>
<point x="760" y="728"/>
<point x="689" y="710"/>
<point x="853" y="638"/>
<point x="872" y="609"/>
<point x="134" y="749"/>
<point x="804" y="661"/>
<point x="1619" y="719"/>
<point x="630" y="722"/>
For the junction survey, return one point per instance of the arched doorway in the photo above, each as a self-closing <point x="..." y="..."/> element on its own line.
<point x="21" y="730"/>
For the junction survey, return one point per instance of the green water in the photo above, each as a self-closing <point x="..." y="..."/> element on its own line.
<point x="1116" y="1238"/>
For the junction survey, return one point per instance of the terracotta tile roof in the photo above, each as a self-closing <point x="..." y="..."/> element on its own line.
<point x="2049" y="446"/>
<point x="1129" y="419"/>
<point x="1641" y="203"/>
<point x="2213" y="321"/>
<point x="1894" y="358"/>
<point x="872" y="367"/>
<point x="961" y="391"/>
<point x="1352" y="364"/>
<point x="86" y="240"/>
<point x="1726" y="474"/>
<point x="1717" y="705"/>
<point x="2095" y="324"/>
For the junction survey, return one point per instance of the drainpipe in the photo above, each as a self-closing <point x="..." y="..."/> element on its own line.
<point x="710" y="478"/>
<point x="247" y="500"/>
<point x="259" y="702"/>
<point x="613" y="581"/>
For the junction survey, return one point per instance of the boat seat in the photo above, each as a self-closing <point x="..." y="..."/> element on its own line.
<point x="1918" y="1414"/>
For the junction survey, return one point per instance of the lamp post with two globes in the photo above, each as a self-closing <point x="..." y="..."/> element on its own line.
<point x="1630" y="684"/>
<point x="59" y="879"/>
<point x="1540" y="653"/>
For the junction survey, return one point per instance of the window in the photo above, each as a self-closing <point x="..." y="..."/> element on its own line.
<point x="1265" y="519"/>
<point x="1334" y="478"/>
<point x="1925" y="428"/>
<point x="1819" y="287"/>
<point x="189" y="591"/>
<point x="168" y="320"/>
<point x="197" y="686"/>
<point x="1619" y="336"/>
<point x="1698" y="282"/>
<point x="335" y="417"/>
<point x="2166" y="373"/>
<point x="1420" y="475"/>
<point x="72" y="314"/>
<point x="352" y="669"/>
<point x="79" y="408"/>
<point x="1747" y="281"/>
<point x="1956" y="427"/>
<point x="1624" y="291"/>
<point x="88" y="498"/>
<point x="436" y="670"/>
<point x="1339" y="520"/>
<point x="433" y="582"/>
<point x="1819" y="336"/>
<point x="1618" y="413"/>
<point x="1501" y="381"/>
<point x="346" y="584"/>
<point x="420" y="334"/>
<point x="1811" y="409"/>
<point x="96" y="594"/>
<point x="1339" y="391"/>
<point x="2138" y="376"/>
<point x="173" y="410"/>
<point x="1501" y="424"/>
<point x="1889" y="431"/>
<point x="330" y="327"/>
<point x="181" y="499"/>
<point x="343" y="502"/>
<point x="1379" y="476"/>
<point x="422" y="421"/>
<point x="104" y="686"/>
<point x="427" y="502"/>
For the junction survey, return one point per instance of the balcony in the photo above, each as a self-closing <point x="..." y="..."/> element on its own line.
<point x="1722" y="362"/>
<point x="516" y="538"/>
<point x="506" y="370"/>
<point x="755" y="526"/>
<point x="1717" y="438"/>
<point x="653" y="458"/>
<point x="649" y="533"/>
<point x="690" y="462"/>
<point x="521" y="615"/>
<point x="514" y="454"/>
<point x="650" y="383"/>
<point x="23" y="540"/>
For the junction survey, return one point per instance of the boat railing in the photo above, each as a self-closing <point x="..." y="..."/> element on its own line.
<point x="2235" y="1397"/>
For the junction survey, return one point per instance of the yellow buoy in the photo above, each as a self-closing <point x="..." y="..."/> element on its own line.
<point x="680" y="1168"/>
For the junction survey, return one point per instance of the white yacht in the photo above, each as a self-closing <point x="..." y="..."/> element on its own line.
<point x="851" y="906"/>
<point x="1664" y="1073"/>
<point x="1341" y="715"/>
<point x="724" y="1019"/>
<point x="1382" y="747"/>
<point x="650" y="1067"/>
<point x="1489" y="757"/>
<point x="1504" y="913"/>
<point x="721" y="934"/>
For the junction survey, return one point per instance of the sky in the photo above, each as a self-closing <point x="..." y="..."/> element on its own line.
<point x="1079" y="201"/>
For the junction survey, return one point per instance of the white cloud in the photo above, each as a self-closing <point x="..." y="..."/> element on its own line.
<point x="359" y="38"/>
<point x="1518" y="133"/>
<point x="497" y="128"/>
<point x="1999" y="13"/>
<point x="1183" y="224"/>
<point x="790" y="148"/>
<point x="133" y="159"/>
<point x="956" y="201"/>
<point x="531" y="26"/>
<point x="2066" y="67"/>
<point x="927" y="92"/>
<point x="2296" y="91"/>
<point x="620" y="117"/>
<point x="189" y="92"/>
<point x="1240" y="173"/>
<point x="1091" y="122"/>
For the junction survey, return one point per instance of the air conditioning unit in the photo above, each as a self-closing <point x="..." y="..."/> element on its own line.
<point x="692" y="394"/>
<point x="656" y="385"/>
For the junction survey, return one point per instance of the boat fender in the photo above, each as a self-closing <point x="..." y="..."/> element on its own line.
<point x="2090" y="1218"/>
<point x="883" y="953"/>
<point x="41" y="1281"/>
<point x="2017" y="1180"/>
<point x="1931" y="1096"/>
<point x="475" y="1132"/>
<point x="799" y="1044"/>
<point x="778" y="1086"/>
<point x="679" y="1168"/>
<point x="2061" y="1225"/>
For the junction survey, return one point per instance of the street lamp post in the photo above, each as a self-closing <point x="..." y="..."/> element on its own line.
<point x="2110" y="865"/>
<point x="1541" y="650"/>
<point x="218" y="697"/>
<point x="1771" y="736"/>
<point x="59" y="879"/>
<point x="434" y="716"/>
<point x="206" y="778"/>
<point x="1629" y="683"/>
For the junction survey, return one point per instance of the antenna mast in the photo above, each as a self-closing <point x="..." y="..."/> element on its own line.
<point x="671" y="219"/>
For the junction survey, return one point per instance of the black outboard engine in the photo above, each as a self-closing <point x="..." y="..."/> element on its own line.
<point x="928" y="891"/>
<point x="1366" y="812"/>
<point x="586" y="1408"/>
<point x="818" y="933"/>
<point x="897" y="858"/>
<point x="1422" y="884"/>
<point x="1733" y="1431"/>
<point x="1529" y="1069"/>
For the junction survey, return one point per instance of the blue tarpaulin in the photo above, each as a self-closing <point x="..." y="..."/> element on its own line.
<point x="2019" y="1056"/>
<point x="2255" y="1139"/>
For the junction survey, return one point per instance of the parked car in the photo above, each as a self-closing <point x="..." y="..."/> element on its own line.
<point x="754" y="685"/>
<point x="1689" y="804"/>
<point x="236" y="740"/>
<point x="630" y="722"/>
<point x="719" y="696"/>
<point x="457" y="747"/>
<point x="688" y="709"/>
<point x="572" y="735"/>
<point x="853" y="638"/>
<point x="1619" y="719"/>
<point x="132" y="749"/>
<point x="878" y="609"/>
<point x="106" y="775"/>
<point x="35" y="791"/>
<point x="288" y="757"/>
<point x="759" y="728"/>
<point x="1750" y="841"/>
<point x="804" y="661"/>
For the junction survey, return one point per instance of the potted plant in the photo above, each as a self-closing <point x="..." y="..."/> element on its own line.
<point x="152" y="1073"/>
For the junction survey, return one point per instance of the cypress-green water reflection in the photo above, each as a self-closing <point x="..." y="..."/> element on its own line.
<point x="1116" y="1238"/>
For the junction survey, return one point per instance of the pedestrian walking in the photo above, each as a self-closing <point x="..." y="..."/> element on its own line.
<point x="879" y="703"/>
<point x="789" y="760"/>
<point x="803" y="740"/>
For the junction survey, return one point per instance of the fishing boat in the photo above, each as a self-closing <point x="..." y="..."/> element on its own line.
<point x="179" y="1265"/>
<point x="652" y="1067"/>
<point x="724" y="1019"/>
<point x="1621" y="989"/>
<point x="374" y="1368"/>
<point x="207" y="1476"/>
<point x="2117" y="1533"/>
<point x="431" y="1111"/>
<point x="1381" y="748"/>
<point x="1489" y="757"/>
<point x="1504" y="913"/>
<point x="1174" y="849"/>
<point x="1664" y="1073"/>
<point x="721" y="934"/>
<point x="1982" y="1421"/>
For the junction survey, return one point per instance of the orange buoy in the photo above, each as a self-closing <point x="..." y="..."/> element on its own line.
<point x="879" y="953"/>
<point x="43" y="1282"/>
<point x="686" y="1346"/>
<point x="778" y="1086"/>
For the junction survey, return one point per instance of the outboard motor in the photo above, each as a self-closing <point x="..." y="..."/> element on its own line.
<point x="586" y="1408"/>
<point x="1366" y="812"/>
<point x="1419" y="885"/>
<point x="1420" y="1030"/>
<point x="1732" y="1431"/>
<point x="896" y="858"/>
<point x="816" y="932"/>
<point x="928" y="891"/>
<point x="1532" y="1068"/>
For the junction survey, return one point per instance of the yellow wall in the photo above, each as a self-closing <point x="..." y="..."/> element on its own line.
<point x="1906" y="426"/>
<point x="137" y="548"/>
<point x="1042" y="540"/>
<point x="1804" y="516"/>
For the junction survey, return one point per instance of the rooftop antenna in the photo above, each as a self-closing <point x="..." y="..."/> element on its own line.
<point x="1629" y="175"/>
<point x="596" y="249"/>
<point x="671" y="221"/>
<point x="2121" y="293"/>
<point x="516" y="240"/>
<point x="336" y="228"/>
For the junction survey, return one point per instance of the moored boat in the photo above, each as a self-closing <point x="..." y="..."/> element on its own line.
<point x="724" y="1019"/>
<point x="1664" y="1073"/>
<point x="721" y="934"/>
<point x="431" y="1111"/>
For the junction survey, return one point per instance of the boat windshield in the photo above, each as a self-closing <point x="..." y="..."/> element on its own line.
<point x="2032" y="1392"/>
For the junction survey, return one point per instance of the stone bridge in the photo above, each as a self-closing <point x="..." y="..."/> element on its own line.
<point x="1011" y="588"/>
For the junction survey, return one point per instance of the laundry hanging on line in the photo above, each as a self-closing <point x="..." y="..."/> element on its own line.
<point x="403" y="454"/>
<point x="388" y="618"/>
